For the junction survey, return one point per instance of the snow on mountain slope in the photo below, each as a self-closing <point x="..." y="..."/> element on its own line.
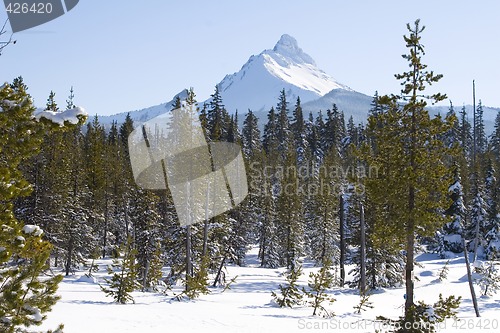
<point x="257" y="85"/>
<point x="140" y="116"/>
<point x="353" y="104"/>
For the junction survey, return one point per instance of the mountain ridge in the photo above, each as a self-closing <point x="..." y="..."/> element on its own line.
<point x="257" y="85"/>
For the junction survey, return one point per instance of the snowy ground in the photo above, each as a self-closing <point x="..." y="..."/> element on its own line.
<point x="247" y="307"/>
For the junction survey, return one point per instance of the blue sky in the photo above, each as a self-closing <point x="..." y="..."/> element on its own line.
<point x="126" y="55"/>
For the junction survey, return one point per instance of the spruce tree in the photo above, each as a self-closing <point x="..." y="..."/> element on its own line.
<point x="51" y="102"/>
<point x="146" y="222"/>
<point x="284" y="134"/>
<point x="251" y="136"/>
<point x="316" y="153"/>
<point x="465" y="133"/>
<point x="452" y="137"/>
<point x="298" y="128"/>
<point x="251" y="209"/>
<point x="489" y="279"/>
<point x="334" y="129"/>
<point x="270" y="136"/>
<point x="475" y="229"/>
<point x="216" y="117"/>
<point x="97" y="180"/>
<point x="289" y="213"/>
<point x="322" y="222"/>
<point x="269" y="247"/>
<point x="70" y="101"/>
<point x="492" y="221"/>
<point x="125" y="129"/>
<point x="495" y="138"/>
<point x="452" y="231"/>
<point x="481" y="142"/>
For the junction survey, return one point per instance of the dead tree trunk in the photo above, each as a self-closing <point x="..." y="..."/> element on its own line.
<point x="188" y="255"/>
<point x="469" y="277"/>
<point x="342" y="240"/>
<point x="362" y="255"/>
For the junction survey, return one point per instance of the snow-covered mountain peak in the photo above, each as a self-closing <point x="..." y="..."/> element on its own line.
<point x="288" y="47"/>
<point x="258" y="83"/>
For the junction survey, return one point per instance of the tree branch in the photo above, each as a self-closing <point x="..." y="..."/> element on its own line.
<point x="4" y="44"/>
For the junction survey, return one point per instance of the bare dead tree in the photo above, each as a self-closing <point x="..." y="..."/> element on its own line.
<point x="5" y="43"/>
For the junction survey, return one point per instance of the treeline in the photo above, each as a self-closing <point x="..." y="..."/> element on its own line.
<point x="307" y="177"/>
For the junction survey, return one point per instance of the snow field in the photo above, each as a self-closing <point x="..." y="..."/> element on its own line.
<point x="248" y="305"/>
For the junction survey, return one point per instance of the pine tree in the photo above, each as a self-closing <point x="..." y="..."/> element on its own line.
<point x="124" y="280"/>
<point x="155" y="274"/>
<point x="197" y="284"/>
<point x="57" y="201"/>
<point x="24" y="296"/>
<point x="187" y="116"/>
<point x="424" y="318"/>
<point x="291" y="294"/>
<point x="409" y="154"/>
<point x="443" y="273"/>
<point x="364" y="302"/>
<point x="271" y="251"/>
<point x="318" y="285"/>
